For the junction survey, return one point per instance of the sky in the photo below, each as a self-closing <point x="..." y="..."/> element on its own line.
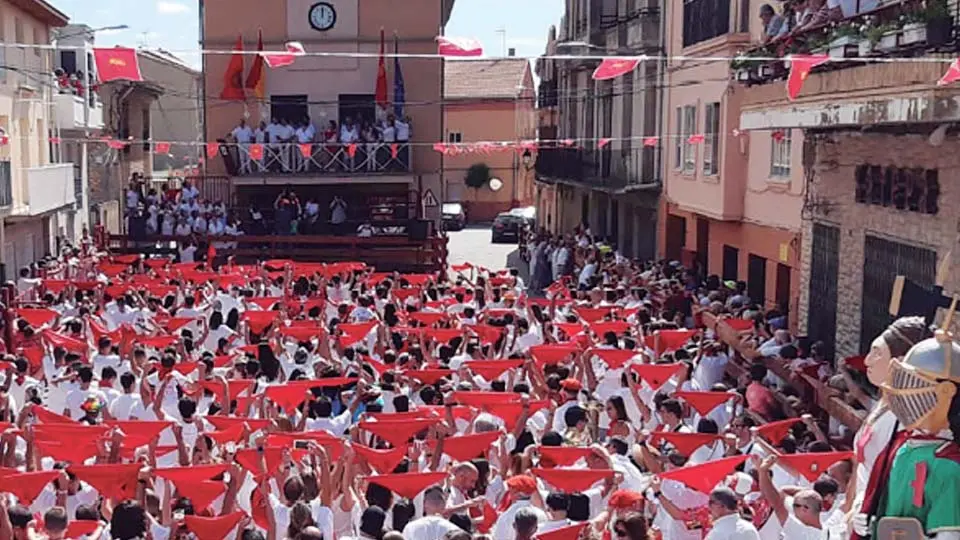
<point x="173" y="24"/>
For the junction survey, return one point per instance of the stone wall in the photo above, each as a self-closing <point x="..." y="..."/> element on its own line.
<point x="831" y="201"/>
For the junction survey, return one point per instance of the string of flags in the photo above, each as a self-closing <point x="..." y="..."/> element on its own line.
<point x="212" y="149"/>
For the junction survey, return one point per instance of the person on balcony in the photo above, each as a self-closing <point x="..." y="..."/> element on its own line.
<point x="349" y="134"/>
<point x="371" y="141"/>
<point x="274" y="137"/>
<point x="772" y="23"/>
<point x="306" y="134"/>
<point x="244" y="136"/>
<point x="403" y="139"/>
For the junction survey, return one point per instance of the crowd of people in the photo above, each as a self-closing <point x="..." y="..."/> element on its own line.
<point x="353" y="145"/>
<point x="151" y="398"/>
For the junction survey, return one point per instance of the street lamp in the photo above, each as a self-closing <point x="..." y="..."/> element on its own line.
<point x="93" y="31"/>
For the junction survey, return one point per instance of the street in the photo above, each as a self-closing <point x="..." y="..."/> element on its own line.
<point x="473" y="245"/>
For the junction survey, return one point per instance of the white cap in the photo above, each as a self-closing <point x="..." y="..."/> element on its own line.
<point x="741" y="483"/>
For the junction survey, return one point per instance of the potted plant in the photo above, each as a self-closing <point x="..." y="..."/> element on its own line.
<point x="844" y="41"/>
<point x="914" y="28"/>
<point x="868" y="39"/>
<point x="939" y="23"/>
<point x="889" y="37"/>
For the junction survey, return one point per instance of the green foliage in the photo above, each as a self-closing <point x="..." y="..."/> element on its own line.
<point x="478" y="175"/>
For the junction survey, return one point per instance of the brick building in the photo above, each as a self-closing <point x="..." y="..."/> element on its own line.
<point x="879" y="150"/>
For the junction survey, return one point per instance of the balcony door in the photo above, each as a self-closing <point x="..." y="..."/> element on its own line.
<point x="359" y="107"/>
<point x="292" y="108"/>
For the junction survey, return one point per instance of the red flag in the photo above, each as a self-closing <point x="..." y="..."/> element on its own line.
<point x="256" y="152"/>
<point x="83" y="528"/>
<point x="139" y="432"/>
<point x="602" y="143"/>
<point x="233" y="77"/>
<point x="592" y="315"/>
<point x="775" y="432"/>
<point x="278" y="60"/>
<point x="408" y="485"/>
<point x="398" y="433"/>
<point x="382" y="461"/>
<point x="510" y="412"/>
<point x="459" y="47"/>
<point x="811" y="466"/>
<point x="467" y="447"/>
<point x="256" y="79"/>
<point x="306" y="150"/>
<point x="952" y="75"/>
<point x="224" y="423"/>
<point x="37" y="317"/>
<point x="117" y="64"/>
<point x="394" y="150"/>
<point x="614" y="358"/>
<point x="570" y="532"/>
<point x="215" y="528"/>
<point x="685" y="443"/>
<point x="213" y="149"/>
<point x="706" y="476"/>
<point x="572" y="480"/>
<point x="656" y="375"/>
<point x="800" y="66"/>
<point x="115" y="481"/>
<point x="492" y="369"/>
<point x="480" y="399"/>
<point x="161" y="148"/>
<point x="428" y="376"/>
<point x="696" y="138"/>
<point x="611" y="68"/>
<point x="552" y="353"/>
<point x="563" y="456"/>
<point x="651" y="141"/>
<point x="27" y="486"/>
<point x="381" y="93"/>
<point x="617" y="327"/>
<point x="704" y="402"/>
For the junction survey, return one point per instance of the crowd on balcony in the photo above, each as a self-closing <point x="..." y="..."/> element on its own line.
<point x="353" y="145"/>
<point x="72" y="83"/>
<point x="300" y="402"/>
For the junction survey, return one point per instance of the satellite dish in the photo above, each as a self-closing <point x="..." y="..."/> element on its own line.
<point x="496" y="184"/>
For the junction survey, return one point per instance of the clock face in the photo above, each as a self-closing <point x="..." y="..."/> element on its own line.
<point x="323" y="16"/>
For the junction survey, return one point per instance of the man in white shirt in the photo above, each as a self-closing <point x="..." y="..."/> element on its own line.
<point x="432" y="526"/>
<point x="349" y="134"/>
<point x="520" y="488"/>
<point x="76" y="398"/>
<point x="244" y="136"/>
<point x="305" y="135"/>
<point x="123" y="406"/>
<point x="800" y="517"/>
<point x="727" y="523"/>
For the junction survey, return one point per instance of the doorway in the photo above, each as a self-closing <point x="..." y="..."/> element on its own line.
<point x="757" y="279"/>
<point x="703" y="246"/>
<point x="292" y="108"/>
<point x="676" y="237"/>
<point x="731" y="263"/>
<point x="359" y="107"/>
<point x="783" y="288"/>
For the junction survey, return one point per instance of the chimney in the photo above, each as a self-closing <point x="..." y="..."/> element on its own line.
<point x="511" y="52"/>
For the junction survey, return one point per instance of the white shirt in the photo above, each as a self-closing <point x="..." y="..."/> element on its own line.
<point x="389" y="133"/>
<point x="710" y="370"/>
<point x="403" y="131"/>
<point x="732" y="527"/>
<point x="349" y="134"/>
<point x="428" y="528"/>
<point x="243" y="134"/>
<point x="795" y="530"/>
<point x="503" y="528"/>
<point x="683" y="498"/>
<point x="77" y="397"/>
<point x="588" y="271"/>
<point x="123" y="406"/>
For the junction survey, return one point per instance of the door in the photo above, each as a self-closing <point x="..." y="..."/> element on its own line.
<point x="676" y="237"/>
<point x="757" y="279"/>
<point x="731" y="263"/>
<point x="883" y="261"/>
<point x="585" y="210"/>
<point x="824" y="272"/>
<point x="783" y="288"/>
<point x="703" y="245"/>
<point x="358" y="107"/>
<point x="292" y="108"/>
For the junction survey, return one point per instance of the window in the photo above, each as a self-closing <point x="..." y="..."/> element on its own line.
<point x="912" y="190"/>
<point x="678" y="146"/>
<point x="731" y="263"/>
<point x="688" y="128"/>
<point x="17" y="30"/>
<point x="455" y="137"/>
<point x="704" y="19"/>
<point x="780" y="154"/>
<point x="711" y="142"/>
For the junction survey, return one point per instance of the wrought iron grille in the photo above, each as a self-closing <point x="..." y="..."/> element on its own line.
<point x="883" y="261"/>
<point x="824" y="272"/>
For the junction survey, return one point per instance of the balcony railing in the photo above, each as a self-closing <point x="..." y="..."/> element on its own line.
<point x="902" y="29"/>
<point x="705" y="19"/>
<point x="71" y="114"/>
<point x="321" y="159"/>
<point x="607" y="167"/>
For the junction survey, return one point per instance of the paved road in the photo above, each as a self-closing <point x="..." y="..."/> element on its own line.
<point x="473" y="245"/>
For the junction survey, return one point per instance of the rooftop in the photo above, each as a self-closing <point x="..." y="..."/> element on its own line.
<point x="484" y="79"/>
<point x="43" y="11"/>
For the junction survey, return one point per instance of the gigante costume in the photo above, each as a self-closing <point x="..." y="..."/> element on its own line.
<point x="914" y="488"/>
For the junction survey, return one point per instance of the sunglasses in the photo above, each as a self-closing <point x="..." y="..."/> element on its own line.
<point x="620" y="533"/>
<point x="798" y="505"/>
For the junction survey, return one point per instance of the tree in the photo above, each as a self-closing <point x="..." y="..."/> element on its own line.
<point x="478" y="175"/>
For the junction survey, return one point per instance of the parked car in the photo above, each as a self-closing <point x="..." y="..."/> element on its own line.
<point x="454" y="218"/>
<point x="529" y="214"/>
<point x="507" y="227"/>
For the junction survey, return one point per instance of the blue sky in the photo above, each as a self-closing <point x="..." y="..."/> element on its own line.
<point x="173" y="25"/>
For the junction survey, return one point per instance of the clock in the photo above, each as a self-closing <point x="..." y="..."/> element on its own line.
<point x="323" y="16"/>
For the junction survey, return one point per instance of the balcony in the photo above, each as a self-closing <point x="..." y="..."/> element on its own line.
<point x="47" y="188"/>
<point x="251" y="160"/>
<point x="705" y="19"/>
<point x="862" y="84"/>
<point x="610" y="169"/>
<point x="70" y="113"/>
